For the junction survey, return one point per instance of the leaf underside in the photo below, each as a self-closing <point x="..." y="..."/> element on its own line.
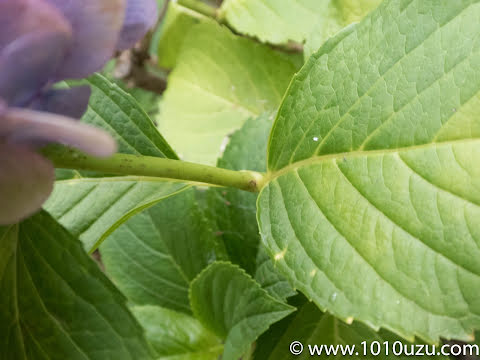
<point x="92" y="208"/>
<point x="375" y="184"/>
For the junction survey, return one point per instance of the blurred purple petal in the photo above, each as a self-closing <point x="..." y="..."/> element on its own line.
<point x="27" y="64"/>
<point x="69" y="102"/>
<point x="26" y="181"/>
<point x="21" y="126"/>
<point x="96" y="25"/>
<point x="21" y="17"/>
<point x="141" y="15"/>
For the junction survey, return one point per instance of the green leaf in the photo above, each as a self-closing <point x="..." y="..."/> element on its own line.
<point x="56" y="303"/>
<point x="153" y="256"/>
<point x="92" y="208"/>
<point x="116" y="111"/>
<point x="221" y="80"/>
<point x="374" y="183"/>
<point x="232" y="305"/>
<point x="178" y="21"/>
<point x="311" y="327"/>
<point x="281" y="21"/>
<point x="177" y="336"/>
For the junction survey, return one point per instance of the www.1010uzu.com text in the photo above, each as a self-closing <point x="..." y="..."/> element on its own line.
<point x="377" y="348"/>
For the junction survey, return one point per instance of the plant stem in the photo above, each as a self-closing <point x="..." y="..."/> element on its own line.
<point x="133" y="165"/>
<point x="199" y="7"/>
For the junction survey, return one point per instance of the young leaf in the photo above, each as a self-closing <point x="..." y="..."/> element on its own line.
<point x="178" y="21"/>
<point x="310" y="326"/>
<point x="374" y="183"/>
<point x="232" y="305"/>
<point x="221" y="80"/>
<point x="280" y="21"/>
<point x="92" y="208"/>
<point x="153" y="256"/>
<point x="56" y="303"/>
<point x="174" y="335"/>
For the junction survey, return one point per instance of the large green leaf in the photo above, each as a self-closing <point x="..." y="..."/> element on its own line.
<point x="55" y="303"/>
<point x="280" y="21"/>
<point x="91" y="208"/>
<point x="153" y="256"/>
<point x="374" y="184"/>
<point x="310" y="326"/>
<point x="177" y="336"/>
<point x="232" y="305"/>
<point x="220" y="81"/>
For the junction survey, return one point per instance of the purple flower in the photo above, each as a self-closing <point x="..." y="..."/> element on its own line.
<point x="42" y="42"/>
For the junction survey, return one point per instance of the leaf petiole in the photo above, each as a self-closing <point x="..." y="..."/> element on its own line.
<point x="125" y="164"/>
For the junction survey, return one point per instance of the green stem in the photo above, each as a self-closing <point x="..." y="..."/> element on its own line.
<point x="199" y="7"/>
<point x="124" y="164"/>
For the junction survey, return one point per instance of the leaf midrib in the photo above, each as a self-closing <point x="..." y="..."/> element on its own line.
<point x="272" y="175"/>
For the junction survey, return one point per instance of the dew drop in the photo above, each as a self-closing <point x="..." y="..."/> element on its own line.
<point x="333" y="297"/>
<point x="315" y="138"/>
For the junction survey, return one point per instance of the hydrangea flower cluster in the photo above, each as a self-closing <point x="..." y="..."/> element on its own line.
<point x="41" y="43"/>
